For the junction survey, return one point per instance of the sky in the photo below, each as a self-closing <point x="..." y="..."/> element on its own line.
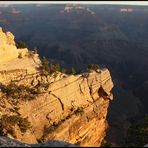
<point x="79" y="2"/>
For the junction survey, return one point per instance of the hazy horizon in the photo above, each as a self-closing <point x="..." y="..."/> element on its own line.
<point x="144" y="3"/>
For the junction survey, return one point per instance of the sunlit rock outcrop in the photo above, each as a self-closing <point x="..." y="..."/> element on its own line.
<point x="71" y="108"/>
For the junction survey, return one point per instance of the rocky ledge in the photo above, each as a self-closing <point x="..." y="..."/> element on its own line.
<point x="71" y="108"/>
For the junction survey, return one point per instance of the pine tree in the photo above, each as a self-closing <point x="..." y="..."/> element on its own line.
<point x="73" y="71"/>
<point x="21" y="45"/>
<point x="54" y="68"/>
<point x="45" y="65"/>
<point x="57" y="66"/>
<point x="93" y="66"/>
<point x="35" y="51"/>
<point x="64" y="70"/>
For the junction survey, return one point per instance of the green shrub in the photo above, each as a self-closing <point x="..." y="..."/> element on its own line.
<point x="93" y="66"/>
<point x="45" y="65"/>
<point x="49" y="68"/>
<point x="73" y="71"/>
<point x="24" y="124"/>
<point x="20" y="92"/>
<point x="10" y="89"/>
<point x="54" y="68"/>
<point x="21" y="45"/>
<point x="35" y="50"/>
<point x="8" y="122"/>
<point x="64" y="70"/>
<point x="11" y="120"/>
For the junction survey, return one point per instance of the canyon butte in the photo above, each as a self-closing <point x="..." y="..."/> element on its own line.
<point x="37" y="107"/>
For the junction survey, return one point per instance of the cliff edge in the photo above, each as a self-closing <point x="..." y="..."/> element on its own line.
<point x="35" y="107"/>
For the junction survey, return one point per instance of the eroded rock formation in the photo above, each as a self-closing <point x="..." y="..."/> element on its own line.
<point x="13" y="67"/>
<point x="8" y="49"/>
<point x="70" y="108"/>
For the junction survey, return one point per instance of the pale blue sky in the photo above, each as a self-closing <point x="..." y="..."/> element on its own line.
<point x="79" y="2"/>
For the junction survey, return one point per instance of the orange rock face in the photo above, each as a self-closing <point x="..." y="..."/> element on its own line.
<point x="72" y="108"/>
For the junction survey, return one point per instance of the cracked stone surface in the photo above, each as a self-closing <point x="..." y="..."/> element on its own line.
<point x="74" y="106"/>
<point x="59" y="101"/>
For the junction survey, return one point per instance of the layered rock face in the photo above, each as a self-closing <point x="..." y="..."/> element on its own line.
<point x="8" y="49"/>
<point x="70" y="108"/>
<point x="11" y="66"/>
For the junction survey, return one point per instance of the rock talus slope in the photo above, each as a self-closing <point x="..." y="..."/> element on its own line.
<point x="71" y="108"/>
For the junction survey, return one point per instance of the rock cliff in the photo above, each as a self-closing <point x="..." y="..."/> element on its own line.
<point x="35" y="107"/>
<point x="8" y="50"/>
<point x="13" y="67"/>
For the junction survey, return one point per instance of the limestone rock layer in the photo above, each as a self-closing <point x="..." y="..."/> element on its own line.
<point x="8" y="49"/>
<point x="71" y="108"/>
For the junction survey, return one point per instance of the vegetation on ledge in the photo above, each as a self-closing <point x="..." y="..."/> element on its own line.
<point x="20" y="92"/>
<point x="21" y="45"/>
<point x="7" y="124"/>
<point x="49" y="68"/>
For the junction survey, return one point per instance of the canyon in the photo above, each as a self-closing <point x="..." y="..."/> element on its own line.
<point x="74" y="37"/>
<point x="36" y="107"/>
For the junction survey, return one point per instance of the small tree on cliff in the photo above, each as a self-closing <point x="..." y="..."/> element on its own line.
<point x="45" y="65"/>
<point x="57" y="67"/>
<point x="35" y="51"/>
<point x="54" y="68"/>
<point x="21" y="45"/>
<point x="64" y="70"/>
<point x="73" y="71"/>
<point x="93" y="66"/>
